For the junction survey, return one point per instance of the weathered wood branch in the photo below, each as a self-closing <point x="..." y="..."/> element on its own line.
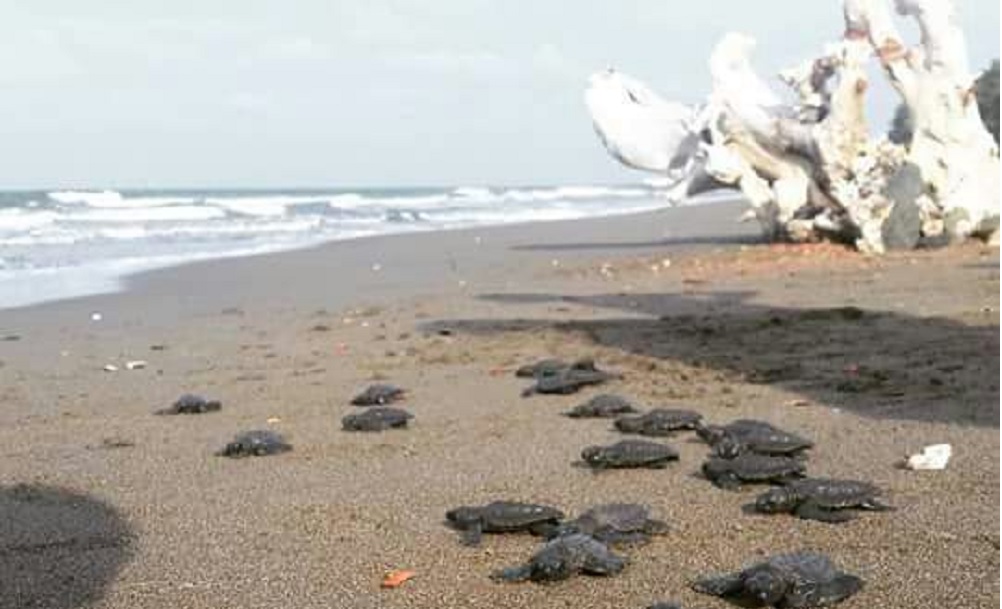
<point x="810" y="169"/>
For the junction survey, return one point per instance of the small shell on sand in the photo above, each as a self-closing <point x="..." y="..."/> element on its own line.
<point x="932" y="457"/>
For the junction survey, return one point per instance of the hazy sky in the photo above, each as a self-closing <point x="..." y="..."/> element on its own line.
<point x="370" y="92"/>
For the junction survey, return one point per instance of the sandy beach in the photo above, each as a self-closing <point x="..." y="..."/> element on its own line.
<point x="872" y="358"/>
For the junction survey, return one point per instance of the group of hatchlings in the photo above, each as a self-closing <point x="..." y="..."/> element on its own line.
<point x="744" y="451"/>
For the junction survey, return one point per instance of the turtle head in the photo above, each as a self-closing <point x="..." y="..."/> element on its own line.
<point x="549" y="567"/>
<point x="592" y="455"/>
<point x="710" y="434"/>
<point x="464" y="516"/>
<point x="775" y="501"/>
<point x="766" y="586"/>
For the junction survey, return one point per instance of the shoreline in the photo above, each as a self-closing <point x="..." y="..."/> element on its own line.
<point x="715" y="226"/>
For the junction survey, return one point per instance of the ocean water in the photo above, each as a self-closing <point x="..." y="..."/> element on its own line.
<point x="61" y="244"/>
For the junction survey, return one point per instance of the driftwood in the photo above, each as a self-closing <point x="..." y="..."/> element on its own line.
<point x="810" y="169"/>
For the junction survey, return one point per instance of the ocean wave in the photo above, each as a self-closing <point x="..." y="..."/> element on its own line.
<point x="16" y="219"/>
<point x="172" y="213"/>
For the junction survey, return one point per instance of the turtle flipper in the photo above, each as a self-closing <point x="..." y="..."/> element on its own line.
<point x="656" y="527"/>
<point x="545" y="529"/>
<point x="829" y="593"/>
<point x="876" y="505"/>
<point x="607" y="564"/>
<point x="520" y="573"/>
<point x="624" y="538"/>
<point x="727" y="481"/>
<point x="471" y="535"/>
<point x="724" y="585"/>
<point x="810" y="510"/>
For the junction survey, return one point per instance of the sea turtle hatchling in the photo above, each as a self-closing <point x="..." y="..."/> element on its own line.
<point x="793" y="581"/>
<point x="629" y="454"/>
<point x="189" y="403"/>
<point x="605" y="405"/>
<point x="546" y="367"/>
<point x="750" y="435"/>
<point x="572" y="379"/>
<point x="822" y="499"/>
<point x="376" y="419"/>
<point x="256" y="443"/>
<point x="379" y="394"/>
<point x="659" y="422"/>
<point x="615" y="524"/>
<point x="563" y="557"/>
<point x="502" y="517"/>
<point x="753" y="468"/>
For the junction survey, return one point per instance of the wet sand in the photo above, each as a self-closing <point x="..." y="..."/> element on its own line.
<point x="871" y="358"/>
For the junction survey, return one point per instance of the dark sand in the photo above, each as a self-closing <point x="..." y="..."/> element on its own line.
<point x="678" y="301"/>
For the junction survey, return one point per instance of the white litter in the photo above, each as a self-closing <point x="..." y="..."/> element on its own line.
<point x="136" y="364"/>
<point x="110" y="368"/>
<point x="932" y="457"/>
<point x="96" y="317"/>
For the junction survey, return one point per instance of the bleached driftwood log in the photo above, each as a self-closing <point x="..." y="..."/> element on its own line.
<point x="809" y="168"/>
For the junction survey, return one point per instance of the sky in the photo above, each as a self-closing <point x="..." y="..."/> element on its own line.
<point x="245" y="93"/>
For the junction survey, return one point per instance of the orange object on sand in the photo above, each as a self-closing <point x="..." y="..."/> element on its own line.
<point x="394" y="579"/>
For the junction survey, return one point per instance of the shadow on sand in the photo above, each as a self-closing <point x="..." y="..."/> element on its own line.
<point x="874" y="363"/>
<point x="58" y="549"/>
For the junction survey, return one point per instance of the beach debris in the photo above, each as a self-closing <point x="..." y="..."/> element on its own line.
<point x="563" y="557"/>
<point x="799" y="579"/>
<point x="615" y="524"/>
<point x="378" y="418"/>
<point x="604" y="405"/>
<point x="750" y="435"/>
<point x="379" y="394"/>
<point x="256" y="443"/>
<point x="272" y="420"/>
<point x="136" y="364"/>
<point x="10" y="338"/>
<point x="190" y="403"/>
<point x="396" y="578"/>
<point x="95" y="316"/>
<point x="629" y="454"/>
<point x="659" y="422"/>
<point x="377" y="267"/>
<point x="821" y="499"/>
<point x="810" y="167"/>
<point x="932" y="457"/>
<point x="502" y="517"/>
<point x="158" y="347"/>
<point x="752" y="468"/>
<point x="110" y="368"/>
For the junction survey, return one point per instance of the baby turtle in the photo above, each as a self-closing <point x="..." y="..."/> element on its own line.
<point x="256" y="443"/>
<point x="582" y="373"/>
<point x="548" y="367"/>
<point x="378" y="394"/>
<point x="749" y="435"/>
<point x="615" y="524"/>
<point x="605" y="405"/>
<point x="190" y="403"/>
<point x="629" y="453"/>
<point x="563" y="557"/>
<point x="659" y="422"/>
<point x="377" y="419"/>
<point x="502" y="517"/>
<point x="821" y="499"/>
<point x="752" y="468"/>
<point x="801" y="579"/>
